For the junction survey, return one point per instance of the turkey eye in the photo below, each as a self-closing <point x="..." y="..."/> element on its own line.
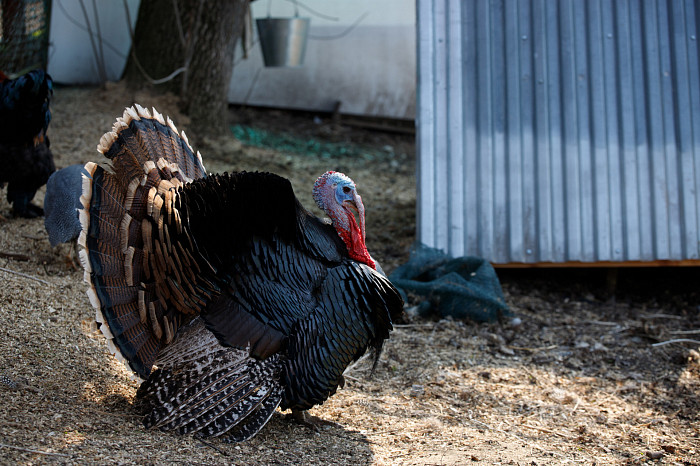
<point x="346" y="190"/>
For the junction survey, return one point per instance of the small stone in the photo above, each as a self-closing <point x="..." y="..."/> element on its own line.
<point x="503" y="349"/>
<point x="417" y="390"/>
<point x="495" y="338"/>
<point x="599" y="347"/>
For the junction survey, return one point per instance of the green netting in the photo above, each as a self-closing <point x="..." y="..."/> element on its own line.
<point x="296" y="145"/>
<point x="463" y="287"/>
<point x="24" y="35"/>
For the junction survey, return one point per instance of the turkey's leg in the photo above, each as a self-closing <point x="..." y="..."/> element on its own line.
<point x="313" y="422"/>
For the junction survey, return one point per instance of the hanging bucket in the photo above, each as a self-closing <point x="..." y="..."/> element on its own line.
<point x="283" y="40"/>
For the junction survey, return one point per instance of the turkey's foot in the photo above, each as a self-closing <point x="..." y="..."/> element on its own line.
<point x="309" y="420"/>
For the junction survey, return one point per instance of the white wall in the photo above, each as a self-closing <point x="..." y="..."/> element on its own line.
<point x="71" y="57"/>
<point x="371" y="69"/>
<point x="342" y="12"/>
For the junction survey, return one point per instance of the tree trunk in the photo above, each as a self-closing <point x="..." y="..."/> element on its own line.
<point x="202" y="43"/>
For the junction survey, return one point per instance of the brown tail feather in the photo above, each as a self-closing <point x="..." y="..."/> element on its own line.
<point x="139" y="137"/>
<point x="132" y="238"/>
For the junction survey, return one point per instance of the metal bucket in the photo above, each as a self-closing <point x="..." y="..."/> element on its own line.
<point x="283" y="40"/>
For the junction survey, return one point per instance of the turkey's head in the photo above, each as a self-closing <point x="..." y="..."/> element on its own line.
<point x="337" y="196"/>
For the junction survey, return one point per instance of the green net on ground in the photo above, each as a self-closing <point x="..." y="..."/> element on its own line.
<point x="463" y="287"/>
<point x="297" y="145"/>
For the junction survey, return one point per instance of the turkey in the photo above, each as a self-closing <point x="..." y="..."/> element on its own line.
<point x="25" y="157"/>
<point x="222" y="293"/>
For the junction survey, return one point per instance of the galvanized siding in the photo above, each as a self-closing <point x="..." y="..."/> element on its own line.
<point x="558" y="131"/>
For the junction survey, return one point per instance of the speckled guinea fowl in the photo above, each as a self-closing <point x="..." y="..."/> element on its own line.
<point x="222" y="292"/>
<point x="61" y="204"/>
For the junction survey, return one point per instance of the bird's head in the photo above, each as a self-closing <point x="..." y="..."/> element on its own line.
<point x="336" y="195"/>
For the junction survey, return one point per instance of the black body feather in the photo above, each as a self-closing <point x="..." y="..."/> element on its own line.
<point x="290" y="284"/>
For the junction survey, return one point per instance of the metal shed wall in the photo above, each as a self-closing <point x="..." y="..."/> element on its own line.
<point x="555" y="131"/>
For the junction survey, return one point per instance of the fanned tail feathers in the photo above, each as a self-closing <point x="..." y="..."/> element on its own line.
<point x="147" y="280"/>
<point x="138" y="138"/>
<point x="209" y="390"/>
<point x="125" y="236"/>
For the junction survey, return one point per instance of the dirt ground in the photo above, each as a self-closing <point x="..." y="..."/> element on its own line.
<point x="586" y="370"/>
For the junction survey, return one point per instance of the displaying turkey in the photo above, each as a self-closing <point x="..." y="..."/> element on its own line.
<point x="25" y="157"/>
<point x="222" y="292"/>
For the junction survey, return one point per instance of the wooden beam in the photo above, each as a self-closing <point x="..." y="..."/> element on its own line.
<point x="600" y="264"/>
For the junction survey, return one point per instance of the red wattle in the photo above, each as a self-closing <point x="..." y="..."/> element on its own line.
<point x="356" y="247"/>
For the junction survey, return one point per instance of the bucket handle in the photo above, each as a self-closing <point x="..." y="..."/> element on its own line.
<point x="296" y="8"/>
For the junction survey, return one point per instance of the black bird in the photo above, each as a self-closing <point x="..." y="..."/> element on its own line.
<point x="25" y="157"/>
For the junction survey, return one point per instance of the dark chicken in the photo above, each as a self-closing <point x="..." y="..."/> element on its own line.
<point x="222" y="292"/>
<point x="25" y="157"/>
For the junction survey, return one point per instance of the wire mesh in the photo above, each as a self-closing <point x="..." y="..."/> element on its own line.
<point x="24" y="35"/>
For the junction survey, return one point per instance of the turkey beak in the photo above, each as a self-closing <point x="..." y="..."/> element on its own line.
<point x="358" y="209"/>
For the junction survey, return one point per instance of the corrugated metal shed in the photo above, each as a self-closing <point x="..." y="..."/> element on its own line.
<point x="559" y="131"/>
